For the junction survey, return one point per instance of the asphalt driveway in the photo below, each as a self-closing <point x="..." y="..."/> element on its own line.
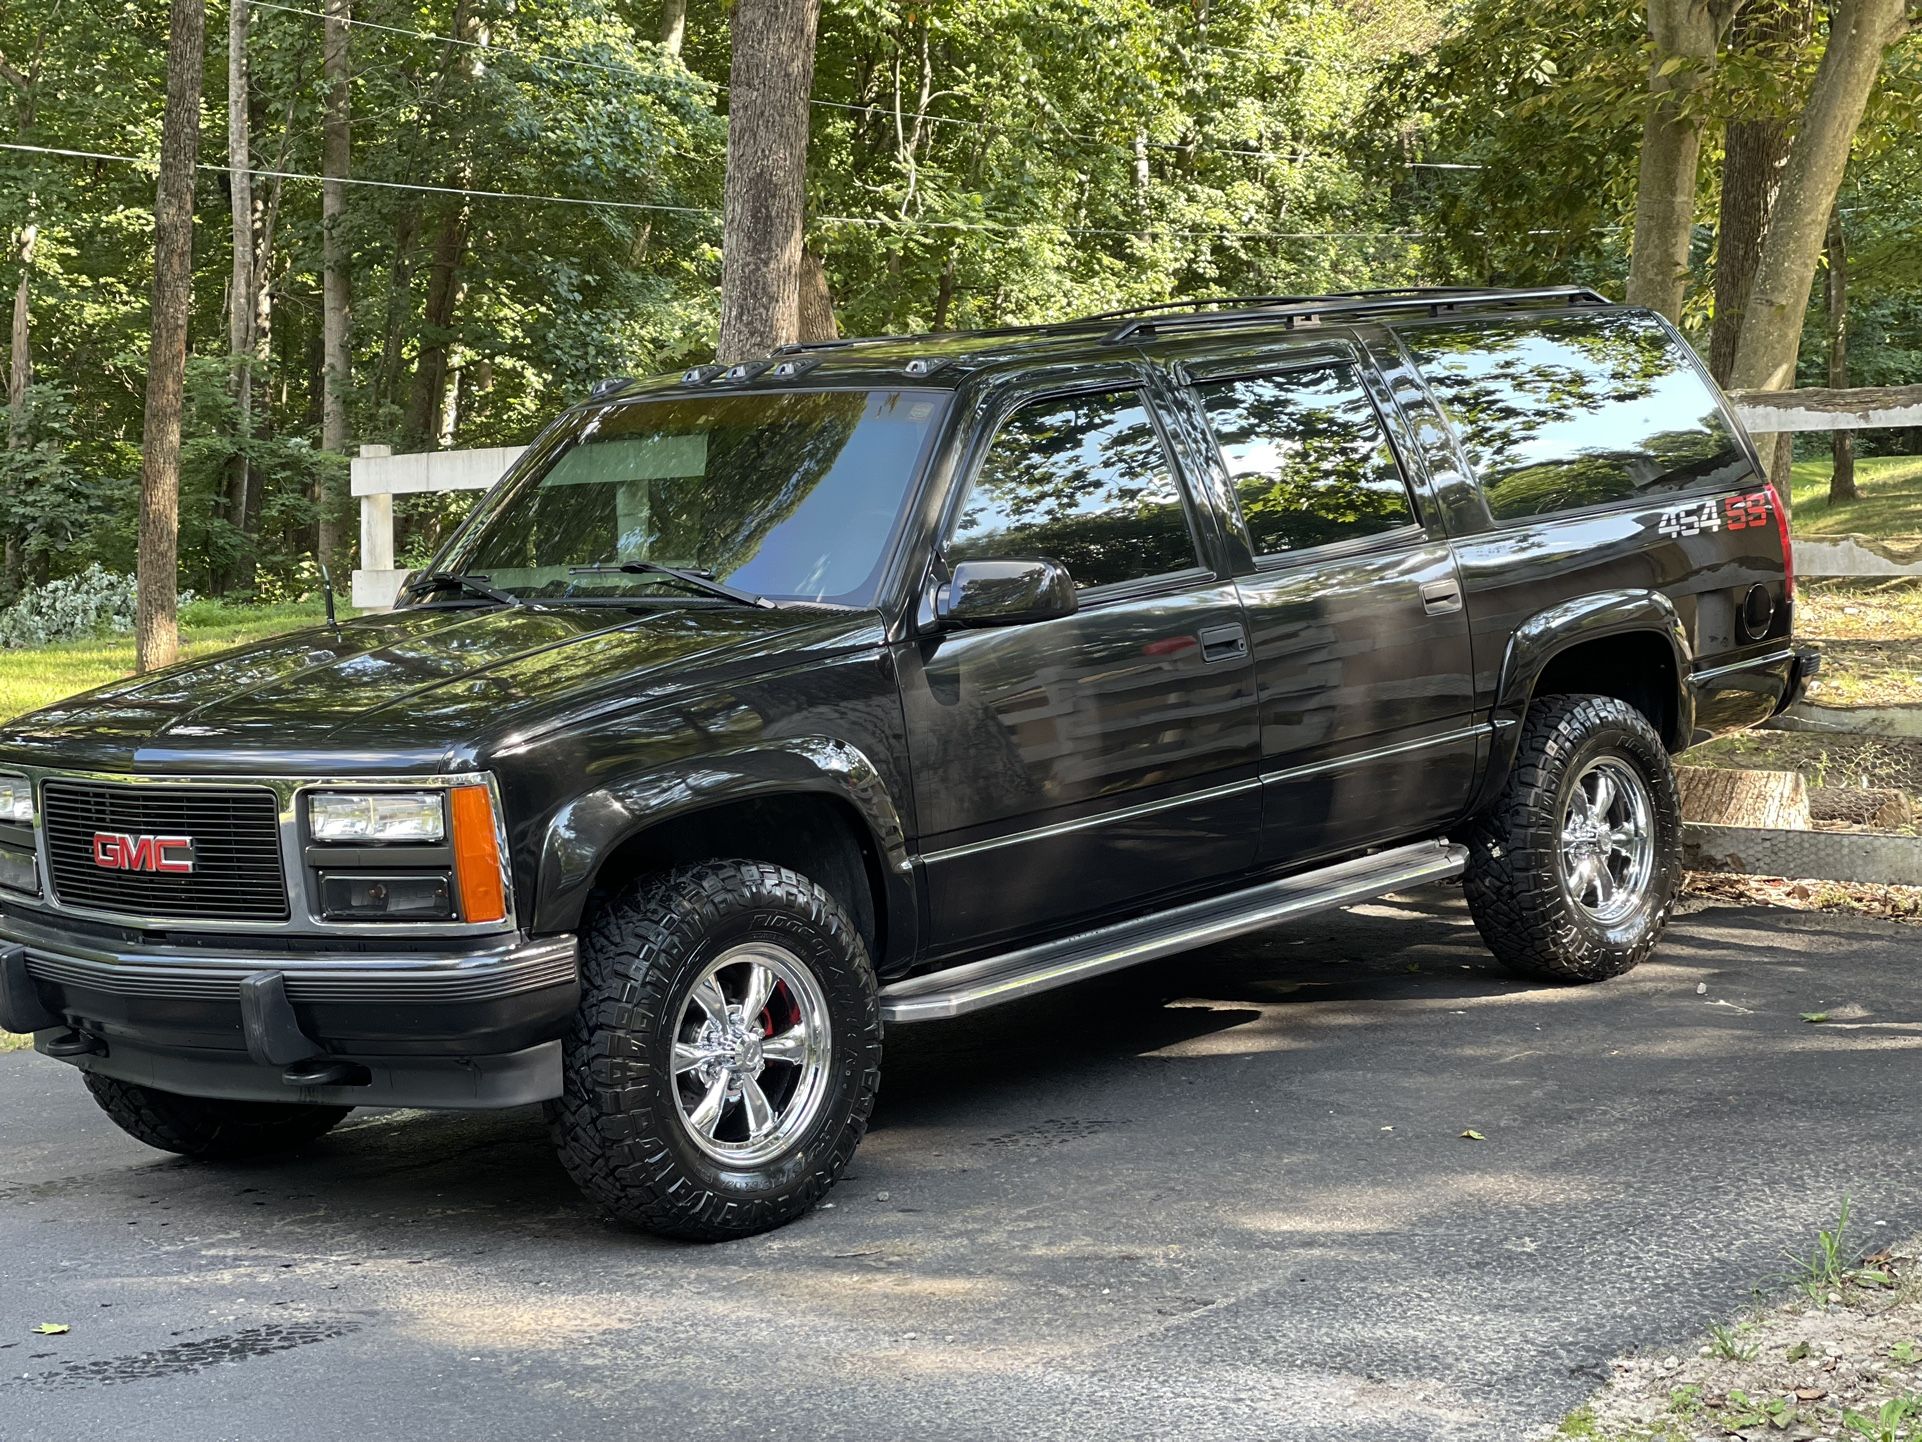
<point x="1225" y="1196"/>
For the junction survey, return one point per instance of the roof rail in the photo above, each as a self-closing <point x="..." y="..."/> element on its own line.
<point x="1244" y="302"/>
<point x="1290" y="311"/>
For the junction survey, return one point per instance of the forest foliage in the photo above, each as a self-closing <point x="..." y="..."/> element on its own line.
<point x="538" y="188"/>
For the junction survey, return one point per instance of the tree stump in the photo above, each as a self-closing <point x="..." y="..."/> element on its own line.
<point x="1724" y="796"/>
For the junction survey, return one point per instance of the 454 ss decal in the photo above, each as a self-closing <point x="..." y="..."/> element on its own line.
<point x="1735" y="513"/>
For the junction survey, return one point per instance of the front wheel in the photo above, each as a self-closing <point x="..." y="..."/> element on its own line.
<point x="209" y="1128"/>
<point x="726" y="1055"/>
<point x="1573" y="872"/>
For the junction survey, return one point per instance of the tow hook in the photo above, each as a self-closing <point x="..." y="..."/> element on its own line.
<point x="73" y="1043"/>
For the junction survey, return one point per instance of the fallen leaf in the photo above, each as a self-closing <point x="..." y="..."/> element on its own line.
<point x="1815" y="1017"/>
<point x="1471" y="1135"/>
<point x="53" y="1329"/>
<point x="1811" y="1394"/>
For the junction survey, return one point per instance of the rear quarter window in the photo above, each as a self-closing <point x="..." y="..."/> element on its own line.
<point x="1577" y="410"/>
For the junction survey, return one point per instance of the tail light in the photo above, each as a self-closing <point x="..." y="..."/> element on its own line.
<point x="1788" y="546"/>
<point x="477" y="855"/>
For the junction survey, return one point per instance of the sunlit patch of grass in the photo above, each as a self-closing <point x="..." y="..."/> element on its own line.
<point x="1890" y="504"/>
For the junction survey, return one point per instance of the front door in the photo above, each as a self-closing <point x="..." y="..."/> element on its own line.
<point x="1367" y="704"/>
<point x="1085" y="765"/>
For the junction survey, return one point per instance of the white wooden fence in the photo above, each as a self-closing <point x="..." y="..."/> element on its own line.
<point x="378" y="475"/>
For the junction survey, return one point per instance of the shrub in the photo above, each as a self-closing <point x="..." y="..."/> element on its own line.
<point x="91" y="603"/>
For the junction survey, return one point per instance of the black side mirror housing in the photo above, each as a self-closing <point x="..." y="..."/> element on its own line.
<point x="1004" y="593"/>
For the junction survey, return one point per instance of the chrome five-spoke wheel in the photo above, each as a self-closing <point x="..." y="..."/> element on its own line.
<point x="1607" y="851"/>
<point x="751" y="1054"/>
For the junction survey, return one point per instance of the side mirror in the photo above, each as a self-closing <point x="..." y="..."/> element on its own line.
<point x="1005" y="593"/>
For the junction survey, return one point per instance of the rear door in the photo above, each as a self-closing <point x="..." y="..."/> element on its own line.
<point x="1361" y="642"/>
<point x="1088" y="765"/>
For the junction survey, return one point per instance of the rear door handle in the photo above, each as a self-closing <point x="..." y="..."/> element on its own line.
<point x="1223" y="643"/>
<point x="1441" y="598"/>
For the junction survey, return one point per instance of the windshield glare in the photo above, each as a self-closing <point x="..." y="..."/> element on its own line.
<point x="790" y="495"/>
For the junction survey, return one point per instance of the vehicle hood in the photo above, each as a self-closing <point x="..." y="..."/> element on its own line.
<point x="419" y="689"/>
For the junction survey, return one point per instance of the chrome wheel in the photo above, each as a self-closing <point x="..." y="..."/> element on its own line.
<point x="1607" y="852"/>
<point x="751" y="1053"/>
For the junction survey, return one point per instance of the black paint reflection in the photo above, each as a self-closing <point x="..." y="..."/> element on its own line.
<point x="1308" y="456"/>
<point x="1567" y="411"/>
<point x="1081" y="480"/>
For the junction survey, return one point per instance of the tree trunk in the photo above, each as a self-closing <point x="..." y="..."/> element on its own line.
<point x="427" y="403"/>
<point x="336" y="360"/>
<point x="1860" y="33"/>
<point x="19" y="351"/>
<point x="767" y="143"/>
<point x="19" y="377"/>
<point x="156" y="628"/>
<point x="1686" y="34"/>
<point x="1842" y="443"/>
<point x="241" y="299"/>
<point x="1753" y="152"/>
<point x="1754" y="147"/>
<point x="430" y="413"/>
<point x="1143" y="180"/>
<point x="944" y="296"/>
<point x="673" y="25"/>
<point x="816" y="314"/>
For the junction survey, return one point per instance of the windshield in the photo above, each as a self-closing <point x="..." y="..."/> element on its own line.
<point x="789" y="495"/>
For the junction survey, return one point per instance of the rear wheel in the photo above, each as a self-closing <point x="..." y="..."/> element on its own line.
<point x="726" y="1055"/>
<point x="1573" y="872"/>
<point x="209" y="1127"/>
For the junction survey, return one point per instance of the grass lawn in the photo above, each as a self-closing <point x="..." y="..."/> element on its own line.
<point x="1891" y="503"/>
<point x="1870" y="632"/>
<point x="32" y="678"/>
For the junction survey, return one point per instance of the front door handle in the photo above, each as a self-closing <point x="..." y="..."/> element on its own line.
<point x="1224" y="643"/>
<point x="1441" y="598"/>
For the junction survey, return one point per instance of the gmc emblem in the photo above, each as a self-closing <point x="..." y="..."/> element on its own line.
<point x="117" y="851"/>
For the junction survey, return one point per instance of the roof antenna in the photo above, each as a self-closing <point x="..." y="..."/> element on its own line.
<point x="327" y="588"/>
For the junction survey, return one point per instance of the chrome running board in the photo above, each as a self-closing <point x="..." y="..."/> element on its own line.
<point x="962" y="989"/>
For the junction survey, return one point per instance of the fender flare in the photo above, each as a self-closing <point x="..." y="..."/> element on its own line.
<point x="586" y="830"/>
<point x="1549" y="632"/>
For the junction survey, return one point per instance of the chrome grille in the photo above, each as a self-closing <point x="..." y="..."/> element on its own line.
<point x="237" y="873"/>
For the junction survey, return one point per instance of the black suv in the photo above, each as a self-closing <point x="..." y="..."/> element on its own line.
<point x="759" y="706"/>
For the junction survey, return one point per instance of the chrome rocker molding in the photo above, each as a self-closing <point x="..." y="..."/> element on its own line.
<point x="962" y="989"/>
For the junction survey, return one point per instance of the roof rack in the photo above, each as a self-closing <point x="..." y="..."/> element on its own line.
<point x="1291" y="311"/>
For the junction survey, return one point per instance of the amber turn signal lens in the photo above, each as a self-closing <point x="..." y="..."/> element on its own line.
<point x="477" y="855"/>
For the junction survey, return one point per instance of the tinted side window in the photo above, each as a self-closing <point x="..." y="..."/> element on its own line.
<point x="1575" y="410"/>
<point x="1310" y="461"/>
<point x="1081" y="480"/>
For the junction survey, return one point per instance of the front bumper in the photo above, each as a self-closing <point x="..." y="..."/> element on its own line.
<point x="473" y="1025"/>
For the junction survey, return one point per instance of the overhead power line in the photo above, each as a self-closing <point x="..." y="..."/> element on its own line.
<point x="987" y="227"/>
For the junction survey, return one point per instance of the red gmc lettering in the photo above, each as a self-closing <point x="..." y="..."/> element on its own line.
<point x="119" y="851"/>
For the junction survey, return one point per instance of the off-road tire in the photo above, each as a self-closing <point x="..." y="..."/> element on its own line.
<point x="1513" y="882"/>
<point x="210" y="1128"/>
<point x="617" y="1125"/>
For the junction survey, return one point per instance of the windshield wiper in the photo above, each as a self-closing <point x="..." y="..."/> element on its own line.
<point x="693" y="580"/>
<point x="428" y="582"/>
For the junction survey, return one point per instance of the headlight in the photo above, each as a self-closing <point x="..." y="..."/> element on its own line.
<point x="376" y="816"/>
<point x="16" y="800"/>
